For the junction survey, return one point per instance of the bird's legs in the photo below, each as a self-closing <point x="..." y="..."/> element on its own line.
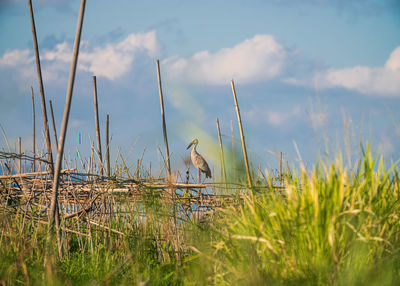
<point x="199" y="176"/>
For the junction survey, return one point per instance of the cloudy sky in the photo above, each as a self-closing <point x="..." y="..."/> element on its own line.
<point x="310" y="75"/>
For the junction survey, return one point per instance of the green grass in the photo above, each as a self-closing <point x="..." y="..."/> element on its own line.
<point x="329" y="226"/>
<point x="335" y="228"/>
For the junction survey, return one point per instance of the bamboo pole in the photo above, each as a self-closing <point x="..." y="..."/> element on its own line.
<point x="96" y="117"/>
<point x="54" y="124"/>
<point x="221" y="152"/>
<point x="63" y="132"/>
<point x="33" y="132"/>
<point x="19" y="153"/>
<point x="233" y="151"/>
<point x="164" y="126"/>
<point x="35" y="174"/>
<point x="246" y="161"/>
<point x="163" y="119"/>
<point x="108" y="145"/>
<point x="41" y="89"/>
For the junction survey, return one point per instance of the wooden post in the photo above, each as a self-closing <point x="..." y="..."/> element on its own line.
<point x="163" y="120"/>
<point x="108" y="146"/>
<point x="34" y="132"/>
<point x="233" y="151"/>
<point x="221" y="152"/>
<point x="54" y="124"/>
<point x="91" y="163"/>
<point x="19" y="153"/>
<point x="64" y="125"/>
<point x="42" y="96"/>
<point x="96" y="118"/>
<point x="242" y="135"/>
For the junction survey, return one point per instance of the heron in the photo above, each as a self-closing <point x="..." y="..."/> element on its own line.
<point x="198" y="160"/>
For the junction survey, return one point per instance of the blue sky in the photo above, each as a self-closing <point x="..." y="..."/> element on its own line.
<point x="310" y="73"/>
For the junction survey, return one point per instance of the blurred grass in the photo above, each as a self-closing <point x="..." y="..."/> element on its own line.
<point x="328" y="226"/>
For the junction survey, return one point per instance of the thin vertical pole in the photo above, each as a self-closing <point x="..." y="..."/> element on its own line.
<point x="19" y="153"/>
<point x="233" y="151"/>
<point x="221" y="152"/>
<point x="164" y="126"/>
<point x="41" y="89"/>
<point x="34" y="132"/>
<point x="54" y="124"/>
<point x="96" y="118"/>
<point x="246" y="161"/>
<point x="163" y="119"/>
<point x="280" y="171"/>
<point x="91" y="163"/>
<point x="64" y="125"/>
<point x="108" y="145"/>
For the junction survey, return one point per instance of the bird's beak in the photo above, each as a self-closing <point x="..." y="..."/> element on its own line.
<point x="191" y="143"/>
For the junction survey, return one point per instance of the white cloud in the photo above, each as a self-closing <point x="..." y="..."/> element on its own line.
<point x="61" y="52"/>
<point x="294" y="81"/>
<point x="381" y="81"/>
<point x="278" y="118"/>
<point x="112" y="61"/>
<point x="76" y="123"/>
<point x="15" y="58"/>
<point x="393" y="63"/>
<point x="115" y="60"/>
<point x="23" y="65"/>
<point x="289" y="117"/>
<point x="257" y="59"/>
<point x="273" y="117"/>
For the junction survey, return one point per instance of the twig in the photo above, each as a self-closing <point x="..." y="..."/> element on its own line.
<point x="35" y="174"/>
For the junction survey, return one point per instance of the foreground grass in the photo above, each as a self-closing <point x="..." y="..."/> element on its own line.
<point x="335" y="228"/>
<point x="331" y="226"/>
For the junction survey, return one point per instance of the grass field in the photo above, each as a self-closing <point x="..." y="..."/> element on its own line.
<point x="329" y="226"/>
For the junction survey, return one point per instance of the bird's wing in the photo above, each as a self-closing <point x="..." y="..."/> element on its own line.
<point x="205" y="169"/>
<point x="200" y="163"/>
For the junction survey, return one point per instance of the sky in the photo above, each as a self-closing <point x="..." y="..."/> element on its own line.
<point x="312" y="76"/>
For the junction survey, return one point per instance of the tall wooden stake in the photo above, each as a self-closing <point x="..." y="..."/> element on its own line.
<point x="221" y="152"/>
<point x="164" y="125"/>
<point x="163" y="119"/>
<point x="64" y="125"/>
<point x="96" y="118"/>
<point x="19" y="152"/>
<point x="42" y="96"/>
<point x="34" y="132"/>
<point x="246" y="161"/>
<point x="233" y="151"/>
<point x="108" y="146"/>
<point x="54" y="124"/>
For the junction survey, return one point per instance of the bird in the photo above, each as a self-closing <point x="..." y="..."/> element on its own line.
<point x="198" y="160"/>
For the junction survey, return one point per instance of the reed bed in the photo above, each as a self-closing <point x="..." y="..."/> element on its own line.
<point x="328" y="226"/>
<point x="105" y="222"/>
<point x="97" y="225"/>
